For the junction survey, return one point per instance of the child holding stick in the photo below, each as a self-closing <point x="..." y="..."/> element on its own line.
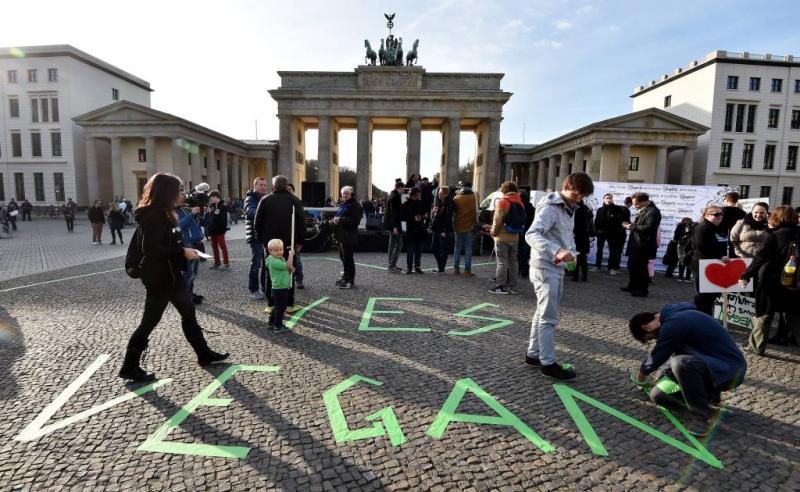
<point x="280" y="274"/>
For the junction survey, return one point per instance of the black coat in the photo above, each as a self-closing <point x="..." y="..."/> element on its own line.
<point x="274" y="218"/>
<point x="642" y="241"/>
<point x="350" y="213"/>
<point x="394" y="211"/>
<point x="767" y="266"/>
<point x="162" y="244"/>
<point x="443" y="220"/>
<point x="710" y="243"/>
<point x="583" y="229"/>
<point x="609" y="219"/>
<point x="217" y="221"/>
<point x="96" y="215"/>
<point x="415" y="229"/>
<point x="731" y="217"/>
<point x="115" y="220"/>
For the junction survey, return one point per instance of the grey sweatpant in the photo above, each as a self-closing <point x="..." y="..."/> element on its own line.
<point x="507" y="267"/>
<point x="548" y="283"/>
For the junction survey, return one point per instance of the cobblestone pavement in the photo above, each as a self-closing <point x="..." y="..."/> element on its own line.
<point x="52" y="330"/>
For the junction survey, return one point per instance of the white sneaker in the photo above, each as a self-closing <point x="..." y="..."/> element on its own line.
<point x="594" y="269"/>
<point x="613" y="272"/>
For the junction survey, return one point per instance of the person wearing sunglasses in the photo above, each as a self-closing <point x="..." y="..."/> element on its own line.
<point x="710" y="243"/>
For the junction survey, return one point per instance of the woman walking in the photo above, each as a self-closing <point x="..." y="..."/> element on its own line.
<point x="748" y="234"/>
<point x="710" y="243"/>
<point x="115" y="222"/>
<point x="164" y="259"/>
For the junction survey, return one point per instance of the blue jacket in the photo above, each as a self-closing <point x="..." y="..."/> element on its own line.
<point x="191" y="228"/>
<point x="686" y="331"/>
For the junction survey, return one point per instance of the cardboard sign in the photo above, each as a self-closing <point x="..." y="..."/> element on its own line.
<point x="716" y="276"/>
<point x="741" y="310"/>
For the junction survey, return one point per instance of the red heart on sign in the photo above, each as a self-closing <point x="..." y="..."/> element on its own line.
<point x="725" y="275"/>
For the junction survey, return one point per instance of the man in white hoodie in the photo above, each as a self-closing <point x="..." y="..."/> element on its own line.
<point x="552" y="248"/>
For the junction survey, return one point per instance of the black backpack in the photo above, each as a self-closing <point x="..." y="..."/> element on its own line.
<point x="514" y="220"/>
<point x="135" y="254"/>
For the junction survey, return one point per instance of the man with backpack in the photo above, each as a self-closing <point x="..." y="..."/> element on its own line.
<point x="508" y="224"/>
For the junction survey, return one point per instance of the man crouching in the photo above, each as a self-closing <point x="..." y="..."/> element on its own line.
<point x="701" y="360"/>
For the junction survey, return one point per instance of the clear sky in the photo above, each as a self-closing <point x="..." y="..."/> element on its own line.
<point x="568" y="62"/>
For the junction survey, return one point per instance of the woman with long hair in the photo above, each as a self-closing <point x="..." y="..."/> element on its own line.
<point x="748" y="234"/>
<point x="164" y="260"/>
<point x="710" y="242"/>
<point x="115" y="222"/>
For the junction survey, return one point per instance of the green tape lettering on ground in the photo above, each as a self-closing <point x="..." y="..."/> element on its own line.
<point x="467" y="313"/>
<point x="568" y="396"/>
<point x="156" y="442"/>
<point x="668" y="386"/>
<point x="448" y="414"/>
<point x="384" y="421"/>
<point x="291" y="322"/>
<point x="370" y="310"/>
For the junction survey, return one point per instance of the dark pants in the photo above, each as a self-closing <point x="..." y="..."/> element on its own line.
<point x="413" y="252"/>
<point x="615" y="247"/>
<point x="298" y="268"/>
<point x="670" y="271"/>
<point x="190" y="274"/>
<point x="113" y="238"/>
<point x="523" y="256"/>
<point x="258" y="272"/>
<point x="686" y="269"/>
<point x="581" y="267"/>
<point x="268" y="284"/>
<point x="639" y="277"/>
<point x="697" y="389"/>
<point x="13" y="222"/>
<point x="281" y="298"/>
<point x="70" y="224"/>
<point x="348" y="262"/>
<point x="598" y="258"/>
<point x="26" y="214"/>
<point x="704" y="302"/>
<point x="154" y="306"/>
<point x="440" y="249"/>
<point x="395" y="245"/>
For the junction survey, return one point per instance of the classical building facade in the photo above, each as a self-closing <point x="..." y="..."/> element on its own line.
<point x="751" y="104"/>
<point x="373" y="98"/>
<point x="41" y="89"/>
<point x="635" y="147"/>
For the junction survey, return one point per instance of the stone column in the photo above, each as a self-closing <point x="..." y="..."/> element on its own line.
<point x="92" y="178"/>
<point x="150" y="153"/>
<point x="196" y="171"/>
<point x="660" y="176"/>
<point x="286" y="151"/>
<point x="177" y="156"/>
<point x="578" y="165"/>
<point x="541" y="176"/>
<point x="363" y="159"/>
<point x="564" y="168"/>
<point x="413" y="146"/>
<point x="453" y="143"/>
<point x="224" y="187"/>
<point x="235" y="177"/>
<point x="117" y="184"/>
<point x="594" y="162"/>
<point x="270" y="157"/>
<point x="324" y="153"/>
<point x="624" y="163"/>
<point x="551" y="173"/>
<point x="687" y="169"/>
<point x="532" y="175"/>
<point x="245" y="178"/>
<point x="212" y="177"/>
<point x="492" y="156"/>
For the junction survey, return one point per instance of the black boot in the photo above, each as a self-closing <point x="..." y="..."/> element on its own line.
<point x="210" y="357"/>
<point x="131" y="369"/>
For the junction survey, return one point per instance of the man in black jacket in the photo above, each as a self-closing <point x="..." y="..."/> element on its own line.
<point x="392" y="222"/>
<point x="732" y="215"/>
<point x="258" y="273"/>
<point x="273" y="220"/>
<point x="608" y="226"/>
<point x="345" y="231"/>
<point x="642" y="245"/>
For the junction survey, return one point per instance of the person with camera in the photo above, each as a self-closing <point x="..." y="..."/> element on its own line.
<point x="273" y="220"/>
<point x="164" y="258"/>
<point x="345" y="231"/>
<point x="258" y="273"/>
<point x="216" y="229"/>
<point x="191" y="221"/>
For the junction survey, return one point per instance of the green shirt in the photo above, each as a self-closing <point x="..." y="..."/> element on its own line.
<point x="278" y="272"/>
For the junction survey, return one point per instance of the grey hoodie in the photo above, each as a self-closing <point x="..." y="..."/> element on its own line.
<point x="552" y="229"/>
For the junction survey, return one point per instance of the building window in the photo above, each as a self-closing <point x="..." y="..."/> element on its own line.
<point x="35" y="110"/>
<point x="12" y="76"/>
<point x="747" y="156"/>
<point x="54" y="109"/>
<point x="667" y="101"/>
<point x="19" y="186"/>
<point x="769" y="156"/>
<point x="755" y="83"/>
<point x="751" y="118"/>
<point x="36" y="144"/>
<point x="44" y="103"/>
<point x="796" y="85"/>
<point x="142" y="155"/>
<point x="634" y="164"/>
<point x="772" y="119"/>
<point x="115" y="94"/>
<point x="189" y="158"/>
<point x="791" y="160"/>
<point x="765" y="192"/>
<point x="38" y="186"/>
<point x="733" y="82"/>
<point x="16" y="144"/>
<point x="13" y="107"/>
<point x="2" y="189"/>
<point x="740" y="108"/>
<point x="55" y="143"/>
<point x="58" y="186"/>
<point x="744" y="191"/>
<point x="795" y="119"/>
<point x="777" y="85"/>
<point x="729" y="117"/>
<point x="788" y="191"/>
<point x="725" y="156"/>
<point x="52" y="75"/>
<point x="32" y="75"/>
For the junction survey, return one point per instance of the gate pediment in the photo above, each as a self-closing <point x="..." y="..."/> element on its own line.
<point x="383" y="78"/>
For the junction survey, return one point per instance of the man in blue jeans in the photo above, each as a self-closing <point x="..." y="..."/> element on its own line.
<point x="258" y="273"/>
<point x="191" y="222"/>
<point x="465" y="216"/>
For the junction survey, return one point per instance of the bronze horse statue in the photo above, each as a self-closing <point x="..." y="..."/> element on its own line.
<point x="382" y="54"/>
<point x="411" y="57"/>
<point x="370" y="56"/>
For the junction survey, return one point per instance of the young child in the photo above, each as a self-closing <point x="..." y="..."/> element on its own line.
<point x="217" y="227"/>
<point x="280" y="273"/>
<point x="552" y="247"/>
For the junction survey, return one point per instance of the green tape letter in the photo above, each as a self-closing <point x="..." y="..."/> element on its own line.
<point x="448" y="414"/>
<point x="299" y="314"/>
<point x="156" y="442"/>
<point x="467" y="313"/>
<point x="384" y="420"/>
<point x="568" y="396"/>
<point x="370" y="310"/>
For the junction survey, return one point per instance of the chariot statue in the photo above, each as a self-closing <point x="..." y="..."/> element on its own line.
<point x="391" y="50"/>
